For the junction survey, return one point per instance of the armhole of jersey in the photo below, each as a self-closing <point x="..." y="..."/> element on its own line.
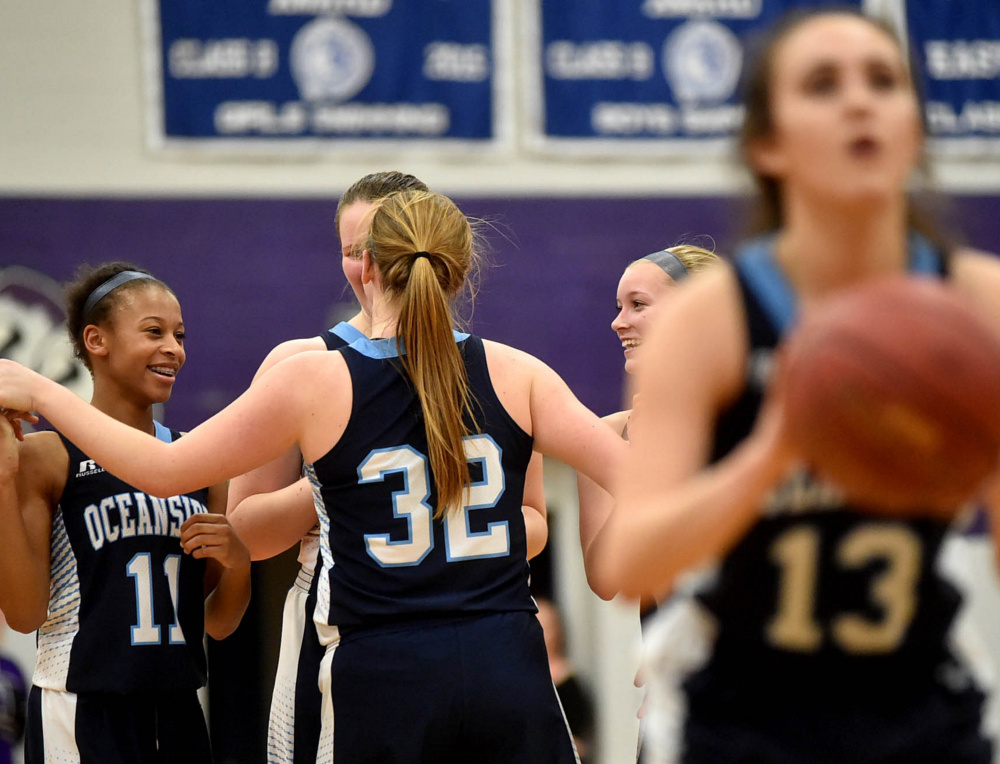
<point x="765" y="288"/>
<point x="926" y="258"/>
<point x="69" y="467"/>
<point x="473" y="342"/>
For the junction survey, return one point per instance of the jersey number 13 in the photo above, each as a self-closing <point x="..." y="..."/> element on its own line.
<point x="797" y="554"/>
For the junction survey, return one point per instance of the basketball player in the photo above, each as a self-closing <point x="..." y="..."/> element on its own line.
<point x="643" y="289"/>
<point x="825" y="629"/>
<point x="113" y="578"/>
<point x="271" y="512"/>
<point x="417" y="460"/>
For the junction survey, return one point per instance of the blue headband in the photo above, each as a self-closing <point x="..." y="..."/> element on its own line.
<point x="111" y="285"/>
<point x="669" y="263"/>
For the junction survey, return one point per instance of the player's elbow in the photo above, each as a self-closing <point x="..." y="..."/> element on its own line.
<point x="220" y="626"/>
<point x="28" y="618"/>
<point x="600" y="575"/>
<point x="218" y="630"/>
<point x="602" y="585"/>
<point x="614" y="573"/>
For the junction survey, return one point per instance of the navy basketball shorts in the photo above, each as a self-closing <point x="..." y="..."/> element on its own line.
<point x="294" y="723"/>
<point x="108" y="728"/>
<point x="444" y="691"/>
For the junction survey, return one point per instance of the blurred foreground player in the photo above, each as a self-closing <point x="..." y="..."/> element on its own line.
<point x="824" y="628"/>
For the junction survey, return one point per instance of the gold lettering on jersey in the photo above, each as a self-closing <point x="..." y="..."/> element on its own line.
<point x="801" y="492"/>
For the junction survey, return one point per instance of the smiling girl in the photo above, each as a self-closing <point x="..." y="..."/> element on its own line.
<point x="644" y="288"/>
<point x="114" y="579"/>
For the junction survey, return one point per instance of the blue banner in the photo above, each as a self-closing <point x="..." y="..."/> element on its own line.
<point x="957" y="45"/>
<point x="298" y="71"/>
<point x="648" y="74"/>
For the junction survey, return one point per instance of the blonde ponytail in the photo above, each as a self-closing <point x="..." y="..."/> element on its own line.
<point x="422" y="245"/>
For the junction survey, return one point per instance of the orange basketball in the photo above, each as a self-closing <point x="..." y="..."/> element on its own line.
<point x="892" y="392"/>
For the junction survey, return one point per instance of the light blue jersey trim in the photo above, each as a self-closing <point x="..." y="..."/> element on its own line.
<point x="162" y="433"/>
<point x="347" y="332"/>
<point x="386" y="348"/>
<point x="924" y="258"/>
<point x="757" y="263"/>
<point x="777" y="298"/>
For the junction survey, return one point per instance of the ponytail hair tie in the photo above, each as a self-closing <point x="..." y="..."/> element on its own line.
<point x="417" y="255"/>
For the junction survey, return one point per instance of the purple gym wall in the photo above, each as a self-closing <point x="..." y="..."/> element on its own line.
<point x="251" y="273"/>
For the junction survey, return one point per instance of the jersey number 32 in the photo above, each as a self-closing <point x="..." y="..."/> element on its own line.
<point x="411" y="504"/>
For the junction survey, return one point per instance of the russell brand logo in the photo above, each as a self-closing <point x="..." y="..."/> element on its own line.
<point x="89" y="467"/>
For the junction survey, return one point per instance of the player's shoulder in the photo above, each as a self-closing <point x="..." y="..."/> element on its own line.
<point x="288" y="349"/>
<point x="43" y="447"/>
<point x="968" y="264"/>
<point x="43" y="458"/>
<point x="508" y="354"/>
<point x="977" y="274"/>
<point x="508" y="364"/>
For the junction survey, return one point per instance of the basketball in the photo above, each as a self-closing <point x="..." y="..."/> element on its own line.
<point x="892" y="392"/>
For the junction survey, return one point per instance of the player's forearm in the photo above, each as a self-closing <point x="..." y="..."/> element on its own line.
<point x="270" y="523"/>
<point x="536" y="530"/>
<point x="596" y="506"/>
<point x="656" y="536"/>
<point x="24" y="575"/>
<point x="226" y="605"/>
<point x="273" y="476"/>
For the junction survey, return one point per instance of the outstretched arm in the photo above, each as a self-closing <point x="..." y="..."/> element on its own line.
<point x="286" y="469"/>
<point x="566" y="429"/>
<point x="541" y="403"/>
<point x="303" y="398"/>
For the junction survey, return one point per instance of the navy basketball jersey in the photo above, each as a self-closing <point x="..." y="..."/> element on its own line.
<point x="383" y="555"/>
<point x="126" y="605"/>
<point x="819" y="593"/>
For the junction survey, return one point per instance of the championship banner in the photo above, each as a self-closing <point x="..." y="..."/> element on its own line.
<point x="640" y="76"/>
<point x="957" y="46"/>
<point x="237" y="74"/>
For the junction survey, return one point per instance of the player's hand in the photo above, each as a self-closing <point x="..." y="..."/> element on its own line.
<point x="15" y="418"/>
<point x="16" y="385"/>
<point x="771" y="426"/>
<point x="209" y="535"/>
